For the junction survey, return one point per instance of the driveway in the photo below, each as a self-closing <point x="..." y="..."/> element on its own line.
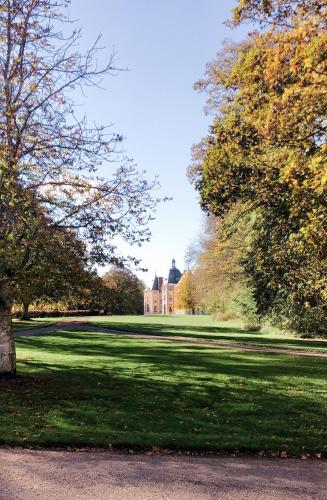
<point x="60" y="475"/>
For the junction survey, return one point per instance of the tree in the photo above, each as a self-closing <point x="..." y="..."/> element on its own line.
<point x="267" y="151"/>
<point x="279" y="12"/>
<point x="186" y="296"/>
<point x="218" y="271"/>
<point x="58" y="271"/>
<point x="122" y="292"/>
<point x="50" y="156"/>
<point x="88" y="294"/>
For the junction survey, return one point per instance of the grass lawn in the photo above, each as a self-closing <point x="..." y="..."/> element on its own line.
<point x="91" y="389"/>
<point x="205" y="327"/>
<point x="25" y="325"/>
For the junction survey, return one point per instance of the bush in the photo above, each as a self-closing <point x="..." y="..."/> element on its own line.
<point x="223" y="316"/>
<point x="251" y="327"/>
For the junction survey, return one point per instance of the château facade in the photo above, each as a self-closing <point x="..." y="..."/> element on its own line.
<point x="160" y="299"/>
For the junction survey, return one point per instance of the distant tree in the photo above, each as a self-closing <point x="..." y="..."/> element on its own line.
<point x="186" y="296"/>
<point x="88" y="294"/>
<point x="122" y="292"/>
<point x="58" y="271"/>
<point x="49" y="155"/>
<point x="219" y="275"/>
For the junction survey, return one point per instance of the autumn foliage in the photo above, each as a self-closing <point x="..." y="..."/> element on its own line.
<point x="266" y="153"/>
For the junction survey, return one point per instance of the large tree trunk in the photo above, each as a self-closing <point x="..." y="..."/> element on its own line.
<point x="25" y="314"/>
<point x="7" y="342"/>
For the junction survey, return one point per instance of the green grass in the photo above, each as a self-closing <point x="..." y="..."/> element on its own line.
<point x="27" y="325"/>
<point x="90" y="389"/>
<point x="204" y="327"/>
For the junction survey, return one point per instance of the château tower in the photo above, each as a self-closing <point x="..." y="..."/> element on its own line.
<point x="160" y="298"/>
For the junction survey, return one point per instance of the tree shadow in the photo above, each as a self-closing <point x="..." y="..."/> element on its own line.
<point x="93" y="344"/>
<point x="102" y="390"/>
<point x="226" y="333"/>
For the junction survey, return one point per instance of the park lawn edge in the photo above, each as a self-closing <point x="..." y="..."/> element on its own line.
<point x="116" y="327"/>
<point x="277" y="454"/>
<point x="208" y="338"/>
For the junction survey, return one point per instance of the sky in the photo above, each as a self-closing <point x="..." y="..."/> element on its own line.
<point x="164" y="45"/>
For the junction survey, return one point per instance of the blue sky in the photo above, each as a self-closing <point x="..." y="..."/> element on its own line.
<point x="165" y="44"/>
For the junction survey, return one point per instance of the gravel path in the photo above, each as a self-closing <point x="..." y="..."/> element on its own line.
<point x="85" y="326"/>
<point x="53" y="475"/>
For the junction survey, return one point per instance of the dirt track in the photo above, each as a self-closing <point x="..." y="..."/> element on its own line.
<point x="27" y="475"/>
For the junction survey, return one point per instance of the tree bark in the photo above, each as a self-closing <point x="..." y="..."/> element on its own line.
<point x="7" y="342"/>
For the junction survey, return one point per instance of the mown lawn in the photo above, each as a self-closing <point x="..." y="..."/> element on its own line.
<point x="27" y="325"/>
<point x="205" y="327"/>
<point x="90" y="389"/>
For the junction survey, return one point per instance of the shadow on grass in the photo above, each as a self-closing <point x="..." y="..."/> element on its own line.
<point x="131" y="393"/>
<point x="99" y="345"/>
<point x="30" y="324"/>
<point x="226" y="333"/>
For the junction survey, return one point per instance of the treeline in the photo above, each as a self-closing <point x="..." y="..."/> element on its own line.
<point x="262" y="171"/>
<point x="61" y="282"/>
<point x="216" y="282"/>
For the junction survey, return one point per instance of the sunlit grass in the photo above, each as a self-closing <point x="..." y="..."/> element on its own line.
<point x="91" y="389"/>
<point x="205" y="327"/>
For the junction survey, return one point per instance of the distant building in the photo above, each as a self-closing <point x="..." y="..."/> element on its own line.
<point x="160" y="299"/>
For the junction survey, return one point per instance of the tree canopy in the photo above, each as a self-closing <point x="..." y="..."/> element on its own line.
<point x="186" y="296"/>
<point x="122" y="292"/>
<point x="50" y="155"/>
<point x="266" y="151"/>
<point x="59" y="271"/>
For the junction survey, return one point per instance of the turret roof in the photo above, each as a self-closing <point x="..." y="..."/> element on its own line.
<point x="155" y="285"/>
<point x="174" y="274"/>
